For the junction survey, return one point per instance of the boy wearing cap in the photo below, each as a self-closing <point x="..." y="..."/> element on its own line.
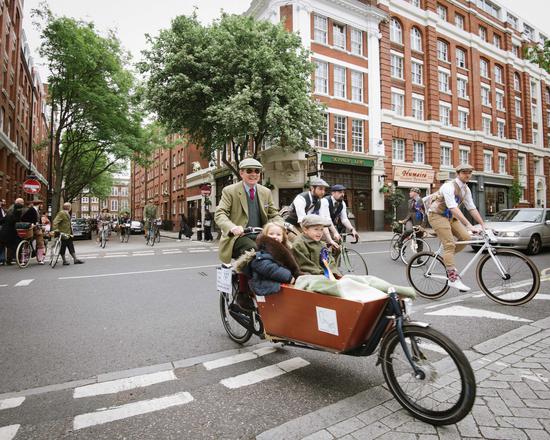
<point x="448" y="221"/>
<point x="307" y="247"/>
<point x="333" y="208"/>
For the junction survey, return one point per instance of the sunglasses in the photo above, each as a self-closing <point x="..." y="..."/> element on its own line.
<point x="252" y="170"/>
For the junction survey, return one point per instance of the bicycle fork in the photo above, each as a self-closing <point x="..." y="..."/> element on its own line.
<point x="505" y="275"/>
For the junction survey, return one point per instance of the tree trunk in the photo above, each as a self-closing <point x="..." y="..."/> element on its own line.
<point x="58" y="180"/>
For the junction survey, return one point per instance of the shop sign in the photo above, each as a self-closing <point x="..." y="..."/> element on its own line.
<point x="409" y="174"/>
<point x="312" y="166"/>
<point x="349" y="161"/>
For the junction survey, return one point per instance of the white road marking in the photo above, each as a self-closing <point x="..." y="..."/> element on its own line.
<point x="88" y="258"/>
<point x="113" y="413"/>
<point x="265" y="373"/>
<point x="3" y="285"/>
<point x="374" y="252"/>
<point x="475" y="313"/>
<point x="11" y="403"/>
<point x="24" y="283"/>
<point x="542" y="296"/>
<point x="432" y="347"/>
<point x="444" y="304"/>
<point x="8" y="432"/>
<point x="171" y="249"/>
<point x="129" y="383"/>
<point x="103" y="275"/>
<point x="143" y="255"/>
<point x="172" y="252"/>
<point x="199" y="250"/>
<point x="115" y="256"/>
<point x="222" y="362"/>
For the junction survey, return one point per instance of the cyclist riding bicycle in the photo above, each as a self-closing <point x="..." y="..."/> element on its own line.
<point x="104" y="221"/>
<point x="416" y="216"/>
<point x="448" y="221"/>
<point x="333" y="208"/>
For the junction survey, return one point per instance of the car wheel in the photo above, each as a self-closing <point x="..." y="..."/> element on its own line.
<point x="535" y="245"/>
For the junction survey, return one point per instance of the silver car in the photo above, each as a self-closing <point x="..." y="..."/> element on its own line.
<point x="522" y="228"/>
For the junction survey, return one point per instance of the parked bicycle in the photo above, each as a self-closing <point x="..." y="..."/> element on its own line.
<point x="56" y="247"/>
<point x="26" y="249"/>
<point x="506" y="276"/>
<point x="349" y="261"/>
<point x="410" y="245"/>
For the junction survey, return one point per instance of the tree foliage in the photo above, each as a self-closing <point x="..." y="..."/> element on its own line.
<point x="540" y="54"/>
<point x="232" y="85"/>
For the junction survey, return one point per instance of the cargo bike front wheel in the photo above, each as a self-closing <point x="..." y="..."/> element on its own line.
<point x="442" y="391"/>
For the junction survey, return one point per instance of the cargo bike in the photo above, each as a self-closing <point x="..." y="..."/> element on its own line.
<point x="425" y="371"/>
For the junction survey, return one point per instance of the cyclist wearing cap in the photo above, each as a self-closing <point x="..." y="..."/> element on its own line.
<point x="448" y="221"/>
<point x="333" y="208"/>
<point x="308" y="202"/>
<point x="243" y="204"/>
<point x="416" y="216"/>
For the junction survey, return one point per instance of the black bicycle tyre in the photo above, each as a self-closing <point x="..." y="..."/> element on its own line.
<point x="227" y="320"/>
<point x="407" y="243"/>
<point x="103" y="239"/>
<point x="467" y="379"/>
<point x="21" y="247"/>
<point x="358" y="257"/>
<point x="157" y="236"/>
<point x="412" y="265"/>
<point x="55" y="253"/>
<point x="394" y="250"/>
<point x="534" y="271"/>
<point x="127" y="235"/>
<point x="151" y="239"/>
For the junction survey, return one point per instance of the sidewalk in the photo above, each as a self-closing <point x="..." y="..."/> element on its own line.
<point x="513" y="400"/>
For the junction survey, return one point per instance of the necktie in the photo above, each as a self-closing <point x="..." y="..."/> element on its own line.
<point x="252" y="194"/>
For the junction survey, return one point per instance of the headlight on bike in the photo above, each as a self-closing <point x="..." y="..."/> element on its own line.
<point x="407" y="302"/>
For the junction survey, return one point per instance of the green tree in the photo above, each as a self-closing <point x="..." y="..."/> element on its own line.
<point x="540" y="54"/>
<point x="232" y="85"/>
<point x="97" y="128"/>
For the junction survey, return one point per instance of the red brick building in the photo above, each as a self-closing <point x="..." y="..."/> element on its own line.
<point x="23" y="121"/>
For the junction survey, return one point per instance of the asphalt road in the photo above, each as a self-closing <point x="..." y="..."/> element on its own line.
<point x="132" y="306"/>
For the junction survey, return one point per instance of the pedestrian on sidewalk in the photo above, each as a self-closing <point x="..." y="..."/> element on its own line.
<point x="185" y="229"/>
<point x="62" y="223"/>
<point x="208" y="217"/>
<point x="8" y="234"/>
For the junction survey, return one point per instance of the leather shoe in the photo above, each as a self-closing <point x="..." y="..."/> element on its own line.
<point x="66" y="263"/>
<point x="77" y="261"/>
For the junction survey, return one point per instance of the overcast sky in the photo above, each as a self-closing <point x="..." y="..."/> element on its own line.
<point x="134" y="18"/>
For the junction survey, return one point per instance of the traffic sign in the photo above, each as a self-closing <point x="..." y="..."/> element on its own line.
<point x="31" y="186"/>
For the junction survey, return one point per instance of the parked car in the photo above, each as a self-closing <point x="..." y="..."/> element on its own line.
<point x="81" y="228"/>
<point x="522" y="228"/>
<point x="136" y="227"/>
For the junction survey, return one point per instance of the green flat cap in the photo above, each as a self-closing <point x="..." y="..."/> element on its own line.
<point x="250" y="162"/>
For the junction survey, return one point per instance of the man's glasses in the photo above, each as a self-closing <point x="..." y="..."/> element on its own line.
<point x="252" y="170"/>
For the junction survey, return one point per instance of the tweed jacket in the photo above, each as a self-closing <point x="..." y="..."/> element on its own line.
<point x="233" y="211"/>
<point x="307" y="253"/>
<point x="62" y="222"/>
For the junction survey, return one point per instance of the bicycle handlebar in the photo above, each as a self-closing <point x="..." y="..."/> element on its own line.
<point x="354" y="236"/>
<point x="248" y="231"/>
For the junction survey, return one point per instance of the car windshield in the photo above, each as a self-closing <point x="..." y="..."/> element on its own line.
<point x="519" y="215"/>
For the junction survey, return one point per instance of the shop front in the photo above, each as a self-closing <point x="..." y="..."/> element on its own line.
<point x="497" y="195"/>
<point x="406" y="178"/>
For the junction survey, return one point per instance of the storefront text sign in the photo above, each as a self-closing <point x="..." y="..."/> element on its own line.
<point x="409" y="174"/>
<point x="353" y="161"/>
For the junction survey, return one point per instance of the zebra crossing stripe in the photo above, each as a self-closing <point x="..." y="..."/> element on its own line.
<point x="24" y="283"/>
<point x="8" y="432"/>
<point x="130" y="410"/>
<point x="475" y="313"/>
<point x="265" y="373"/>
<point x="229" y="360"/>
<point x="128" y="383"/>
<point x="14" y="402"/>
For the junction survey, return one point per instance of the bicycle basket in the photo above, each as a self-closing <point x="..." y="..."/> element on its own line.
<point x="396" y="227"/>
<point x="25" y="234"/>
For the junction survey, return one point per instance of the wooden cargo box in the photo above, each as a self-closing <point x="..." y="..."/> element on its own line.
<point x="334" y="323"/>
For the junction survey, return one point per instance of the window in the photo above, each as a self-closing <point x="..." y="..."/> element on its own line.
<point x="463" y="119"/>
<point x="445" y="115"/>
<point x="418" y="152"/>
<point x="356" y="86"/>
<point x="396" y="32"/>
<point x="483" y="33"/>
<point x="515" y="50"/>
<point x="339" y="82"/>
<point x="398" y="103"/>
<point x="497" y="40"/>
<point x="444" y="82"/>
<point x="502" y="164"/>
<point x="339" y="35"/>
<point x="534" y="90"/>
<point x="442" y="50"/>
<point x="517" y="82"/>
<point x="534" y="113"/>
<point x="415" y="3"/>
<point x="114" y="191"/>
<point x="528" y="31"/>
<point x="396" y="66"/>
<point x="519" y="133"/>
<point x="488" y="161"/>
<point x="114" y="205"/>
<point x="521" y="165"/>
<point x="340" y="132"/>
<point x="418" y="108"/>
<point x="459" y="21"/>
<point x="320" y="25"/>
<point x="446" y="156"/>
<point x="512" y="20"/>
<point x="462" y="87"/>
<point x="518" y="107"/>
<point x="124" y="191"/>
<point x="356" y="41"/>
<point x="85" y="200"/>
<point x="357" y="135"/>
<point x="547" y="95"/>
<point x="484" y="68"/>
<point x="500" y="100"/>
<point x="499" y="76"/>
<point x="416" y="39"/>
<point x="535" y="137"/>
<point x="485" y="96"/>
<point x="85" y="208"/>
<point x="501" y="129"/>
<point x="1" y="118"/>
<point x="489" y="7"/>
<point x="398" y="149"/>
<point x="95" y="200"/>
<point x="321" y="77"/>
<point x="548" y="118"/>
<point x="486" y="125"/>
<point x="460" y="58"/>
<point x="464" y="155"/>
<point x="322" y="139"/>
<point x="416" y="72"/>
<point x="442" y="12"/>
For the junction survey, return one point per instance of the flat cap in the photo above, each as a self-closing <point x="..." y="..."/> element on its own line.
<point x="317" y="181"/>
<point x="314" y="220"/>
<point x="250" y="162"/>
<point x="338" y="187"/>
<point x="415" y="189"/>
<point x="464" y="167"/>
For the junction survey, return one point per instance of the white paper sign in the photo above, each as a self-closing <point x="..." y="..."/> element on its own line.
<point x="326" y="320"/>
<point x="223" y="279"/>
<point x="260" y="298"/>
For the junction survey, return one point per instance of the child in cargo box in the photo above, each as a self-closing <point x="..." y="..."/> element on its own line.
<point x="270" y="265"/>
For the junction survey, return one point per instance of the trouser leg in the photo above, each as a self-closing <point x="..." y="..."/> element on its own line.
<point x="460" y="232"/>
<point x="442" y="227"/>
